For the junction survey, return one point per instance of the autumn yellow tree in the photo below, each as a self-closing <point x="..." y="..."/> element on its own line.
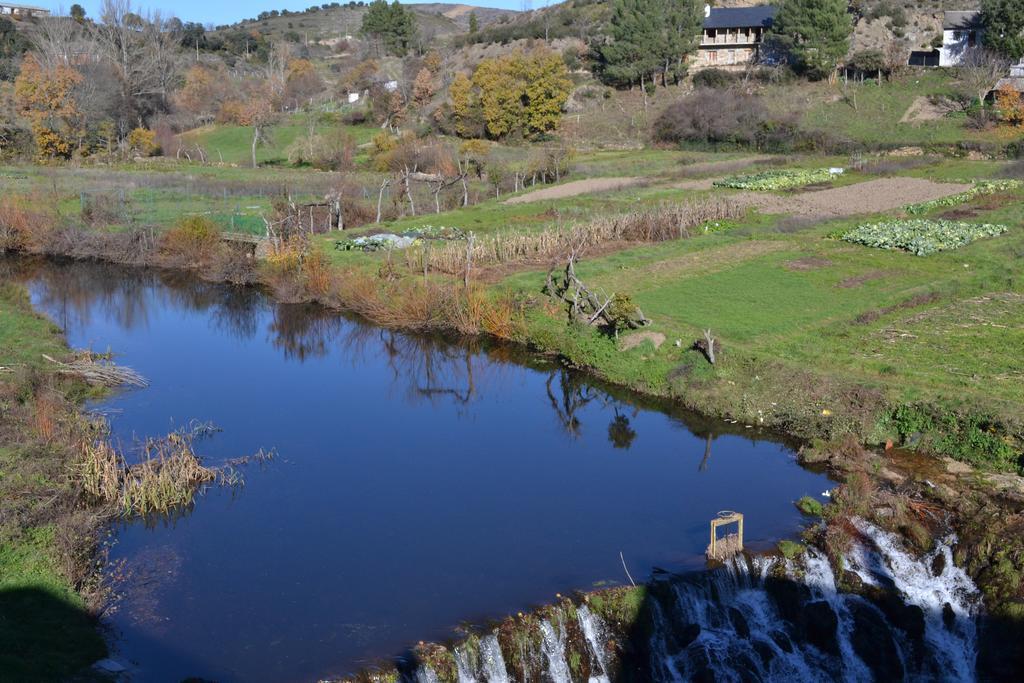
<point x="203" y="91"/>
<point x="547" y="89"/>
<point x="521" y="94"/>
<point x="462" y="101"/>
<point x="1010" y="105"/>
<point x="433" y="61"/>
<point x="500" y="83"/>
<point x="302" y="82"/>
<point x="423" y="87"/>
<point x="46" y="98"/>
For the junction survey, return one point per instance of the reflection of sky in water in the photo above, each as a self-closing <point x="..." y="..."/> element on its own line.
<point x="417" y="484"/>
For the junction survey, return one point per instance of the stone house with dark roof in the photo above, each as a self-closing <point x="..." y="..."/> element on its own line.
<point x="732" y="36"/>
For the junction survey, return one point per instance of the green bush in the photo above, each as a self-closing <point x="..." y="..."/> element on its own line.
<point x="920" y="236"/>
<point x="974" y="439"/>
<point x="713" y="78"/>
<point x="810" y="506"/>
<point x="791" y="549"/>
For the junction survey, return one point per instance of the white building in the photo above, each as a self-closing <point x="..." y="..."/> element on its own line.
<point x="961" y="31"/>
<point x="8" y="9"/>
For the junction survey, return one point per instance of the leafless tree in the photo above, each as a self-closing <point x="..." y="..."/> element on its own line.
<point x="144" y="55"/>
<point x="979" y="70"/>
<point x="60" y="41"/>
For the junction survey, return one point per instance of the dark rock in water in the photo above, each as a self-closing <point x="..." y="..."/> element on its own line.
<point x="744" y="666"/>
<point x="701" y="662"/>
<point x="818" y="626"/>
<point x="739" y="623"/>
<point x="783" y="641"/>
<point x="788" y="596"/>
<point x="873" y="642"/>
<point x="765" y="652"/>
<point x="907" y="618"/>
<point x="687" y="634"/>
<point x="938" y="564"/>
<point x="948" y="616"/>
<point x="852" y="582"/>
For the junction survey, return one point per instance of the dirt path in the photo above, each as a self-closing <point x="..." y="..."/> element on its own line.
<point x="576" y="187"/>
<point x="873" y="196"/>
<point x="921" y="110"/>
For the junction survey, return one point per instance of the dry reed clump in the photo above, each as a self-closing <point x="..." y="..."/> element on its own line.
<point x="23" y="228"/>
<point x="418" y="304"/>
<point x="282" y="269"/>
<point x="316" y="273"/>
<point x="659" y="224"/>
<point x="45" y="414"/>
<point x="168" y="477"/>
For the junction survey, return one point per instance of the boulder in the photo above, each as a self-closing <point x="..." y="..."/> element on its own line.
<point x="873" y="642"/>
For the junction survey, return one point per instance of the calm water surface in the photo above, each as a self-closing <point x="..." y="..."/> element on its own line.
<point x="418" y="485"/>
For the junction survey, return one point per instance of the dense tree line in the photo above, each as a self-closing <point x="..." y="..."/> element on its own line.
<point x="391" y="27"/>
<point x="648" y="39"/>
<point x="1003" y="22"/>
<point x="814" y="33"/>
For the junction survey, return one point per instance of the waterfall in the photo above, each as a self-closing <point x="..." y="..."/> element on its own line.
<point x="492" y="663"/>
<point x="761" y="618"/>
<point x="488" y="666"/>
<point x="945" y="594"/>
<point x="593" y="632"/>
<point x="553" y="646"/>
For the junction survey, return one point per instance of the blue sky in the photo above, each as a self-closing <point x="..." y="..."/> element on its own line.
<point x="205" y="11"/>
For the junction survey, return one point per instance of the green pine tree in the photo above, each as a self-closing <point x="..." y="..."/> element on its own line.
<point x="392" y="27"/>
<point x="1003" y="23"/>
<point x="474" y="26"/>
<point x="815" y="34"/>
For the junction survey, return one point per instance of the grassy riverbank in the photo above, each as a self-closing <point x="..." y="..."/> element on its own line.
<point x="47" y="631"/>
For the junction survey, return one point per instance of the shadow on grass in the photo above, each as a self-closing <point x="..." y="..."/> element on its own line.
<point x="45" y="638"/>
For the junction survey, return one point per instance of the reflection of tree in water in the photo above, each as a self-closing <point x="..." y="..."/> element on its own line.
<point x="620" y="432"/>
<point x="568" y="393"/>
<point x="429" y="367"/>
<point x="304" y="331"/>
<point x="71" y="291"/>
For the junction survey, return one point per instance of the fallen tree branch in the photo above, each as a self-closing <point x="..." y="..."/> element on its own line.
<point x="98" y="372"/>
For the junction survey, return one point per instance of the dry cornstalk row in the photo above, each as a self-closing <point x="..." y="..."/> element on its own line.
<point x="658" y="224"/>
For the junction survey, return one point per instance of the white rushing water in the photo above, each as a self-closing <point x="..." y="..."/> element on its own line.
<point x="770" y="619"/>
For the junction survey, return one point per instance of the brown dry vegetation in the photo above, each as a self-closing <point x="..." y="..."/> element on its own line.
<point x="657" y="224"/>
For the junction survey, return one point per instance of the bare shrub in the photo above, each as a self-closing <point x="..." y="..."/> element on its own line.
<point x="713" y="116"/>
<point x="104" y="208"/>
<point x="233" y="265"/>
<point x="192" y="241"/>
<point x="23" y="228"/>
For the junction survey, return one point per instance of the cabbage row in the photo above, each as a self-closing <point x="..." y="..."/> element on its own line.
<point x="920" y="236"/>
<point x="769" y="181"/>
<point x="982" y="187"/>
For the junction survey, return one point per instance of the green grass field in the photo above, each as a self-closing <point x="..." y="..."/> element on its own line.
<point x="233" y="144"/>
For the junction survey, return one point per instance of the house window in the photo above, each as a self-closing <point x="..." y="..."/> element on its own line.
<point x="972" y="38"/>
<point x="712" y="56"/>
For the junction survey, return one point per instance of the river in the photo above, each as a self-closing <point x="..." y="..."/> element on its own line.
<point x="417" y="484"/>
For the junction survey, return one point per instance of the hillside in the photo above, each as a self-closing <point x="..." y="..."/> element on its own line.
<point x="434" y="20"/>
